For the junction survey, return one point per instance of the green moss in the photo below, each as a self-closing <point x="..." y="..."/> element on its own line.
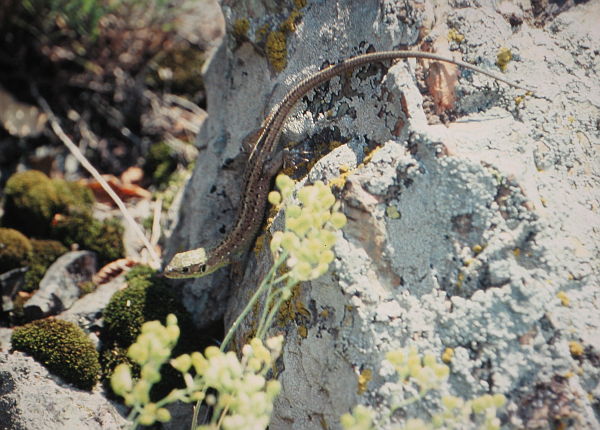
<point x="108" y="242"/>
<point x="42" y="255"/>
<point x="183" y="61"/>
<point x="73" y="198"/>
<point x="102" y="237"/>
<point x="160" y="163"/>
<point x="63" y="348"/>
<point x="31" y="202"/>
<point x="86" y="287"/>
<point x="14" y="249"/>
<point x="33" y="199"/>
<point x="146" y="298"/>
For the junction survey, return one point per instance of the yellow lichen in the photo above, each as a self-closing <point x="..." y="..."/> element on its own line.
<point x="455" y="36"/>
<point x="564" y="299"/>
<point x="302" y="331"/>
<point x="363" y="380"/>
<point x="261" y="33"/>
<point x="241" y="27"/>
<point x="289" y="25"/>
<point x="516" y="252"/>
<point x="392" y="212"/>
<point x="503" y="58"/>
<point x="258" y="245"/>
<point x="477" y="249"/>
<point x="277" y="50"/>
<point x="447" y="355"/>
<point x="576" y="348"/>
<point x="299" y="4"/>
<point x="339" y="182"/>
<point x="460" y="279"/>
<point x="344" y="168"/>
<point x="370" y="155"/>
<point x="293" y="309"/>
<point x="334" y="144"/>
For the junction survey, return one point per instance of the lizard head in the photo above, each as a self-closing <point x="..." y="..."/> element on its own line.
<point x="188" y="264"/>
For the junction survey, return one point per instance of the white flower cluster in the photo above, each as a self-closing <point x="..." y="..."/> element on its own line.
<point x="310" y="228"/>
<point x="243" y="396"/>
<point x="151" y="350"/>
<point x="428" y="374"/>
<point x="460" y="414"/>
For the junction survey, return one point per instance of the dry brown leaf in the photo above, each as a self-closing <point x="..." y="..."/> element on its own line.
<point x="124" y="191"/>
<point x="442" y="78"/>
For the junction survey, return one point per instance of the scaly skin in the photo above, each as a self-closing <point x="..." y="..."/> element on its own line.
<point x="265" y="161"/>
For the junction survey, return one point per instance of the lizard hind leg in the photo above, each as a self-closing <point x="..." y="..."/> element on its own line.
<point x="249" y="142"/>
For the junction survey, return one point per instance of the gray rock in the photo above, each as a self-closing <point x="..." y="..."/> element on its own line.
<point x="31" y="398"/>
<point x="5" y="335"/>
<point x="10" y="283"/>
<point x="59" y="288"/>
<point x="86" y="312"/>
<point x="484" y="241"/>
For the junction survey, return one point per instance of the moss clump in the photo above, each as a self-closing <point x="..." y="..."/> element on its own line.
<point x="146" y="298"/>
<point x="15" y="249"/>
<point x="102" y="237"/>
<point x="182" y="61"/>
<point x="63" y="348"/>
<point x="42" y="255"/>
<point x="160" y="163"/>
<point x="73" y="198"/>
<point x="31" y="202"/>
<point x="33" y="199"/>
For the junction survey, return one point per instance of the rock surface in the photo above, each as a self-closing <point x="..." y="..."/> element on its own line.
<point x="31" y="398"/>
<point x="10" y="284"/>
<point x="87" y="311"/>
<point x="480" y="236"/>
<point x="61" y="285"/>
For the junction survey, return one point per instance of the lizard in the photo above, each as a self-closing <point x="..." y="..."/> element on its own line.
<point x="265" y="160"/>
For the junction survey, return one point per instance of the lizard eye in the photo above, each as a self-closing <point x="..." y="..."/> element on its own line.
<point x="185" y="269"/>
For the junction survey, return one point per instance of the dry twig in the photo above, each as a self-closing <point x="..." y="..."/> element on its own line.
<point x="92" y="170"/>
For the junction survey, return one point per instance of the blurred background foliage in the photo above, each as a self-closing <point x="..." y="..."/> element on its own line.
<point x="120" y="75"/>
